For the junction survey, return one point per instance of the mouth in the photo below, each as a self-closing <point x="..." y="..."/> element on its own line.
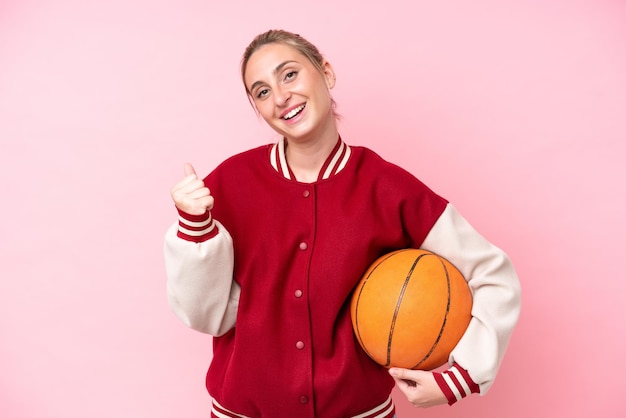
<point x="293" y="112"/>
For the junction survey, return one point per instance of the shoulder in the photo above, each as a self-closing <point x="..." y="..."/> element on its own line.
<point x="370" y="161"/>
<point x="239" y="168"/>
<point x="244" y="160"/>
<point x="389" y="178"/>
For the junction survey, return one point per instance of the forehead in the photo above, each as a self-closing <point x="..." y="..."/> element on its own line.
<point x="264" y="61"/>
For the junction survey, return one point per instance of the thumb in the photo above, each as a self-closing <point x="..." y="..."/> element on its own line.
<point x="404" y="374"/>
<point x="189" y="169"/>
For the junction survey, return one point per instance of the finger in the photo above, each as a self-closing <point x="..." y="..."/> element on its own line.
<point x="403" y="385"/>
<point x="402" y="374"/>
<point x="197" y="206"/>
<point x="199" y="193"/>
<point x="185" y="195"/>
<point x="194" y="205"/>
<point x="188" y="185"/>
<point x="189" y="170"/>
<point x="406" y="386"/>
<point x="207" y="202"/>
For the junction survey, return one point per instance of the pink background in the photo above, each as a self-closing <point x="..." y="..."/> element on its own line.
<point x="513" y="110"/>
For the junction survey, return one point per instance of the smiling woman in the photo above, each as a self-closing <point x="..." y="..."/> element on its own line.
<point x="514" y="110"/>
<point x="293" y="97"/>
<point x="324" y="210"/>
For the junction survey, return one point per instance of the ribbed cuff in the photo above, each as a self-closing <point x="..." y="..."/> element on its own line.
<point x="196" y="228"/>
<point x="456" y="383"/>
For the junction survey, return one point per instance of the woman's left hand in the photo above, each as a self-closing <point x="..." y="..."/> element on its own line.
<point x="419" y="387"/>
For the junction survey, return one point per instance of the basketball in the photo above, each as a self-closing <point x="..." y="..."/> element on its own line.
<point x="410" y="309"/>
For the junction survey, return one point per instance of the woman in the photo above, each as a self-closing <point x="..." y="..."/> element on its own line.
<point x="270" y="245"/>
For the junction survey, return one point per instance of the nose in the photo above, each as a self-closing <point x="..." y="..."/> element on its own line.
<point x="281" y="96"/>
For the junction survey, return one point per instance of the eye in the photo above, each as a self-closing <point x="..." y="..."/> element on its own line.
<point x="290" y="75"/>
<point x="262" y="93"/>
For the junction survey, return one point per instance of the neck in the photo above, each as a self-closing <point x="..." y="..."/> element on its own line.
<point x="306" y="157"/>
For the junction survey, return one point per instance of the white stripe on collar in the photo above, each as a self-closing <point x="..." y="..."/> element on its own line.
<point x="336" y="161"/>
<point x="278" y="158"/>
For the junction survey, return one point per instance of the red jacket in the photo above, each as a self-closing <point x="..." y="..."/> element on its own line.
<point x="299" y="251"/>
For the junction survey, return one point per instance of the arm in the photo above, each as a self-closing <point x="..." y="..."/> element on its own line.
<point x="200" y="285"/>
<point x="199" y="261"/>
<point x="496" y="306"/>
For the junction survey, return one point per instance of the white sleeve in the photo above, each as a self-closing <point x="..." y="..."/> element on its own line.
<point x="495" y="289"/>
<point x="200" y="285"/>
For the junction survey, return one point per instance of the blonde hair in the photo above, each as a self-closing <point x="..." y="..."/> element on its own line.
<point x="284" y="37"/>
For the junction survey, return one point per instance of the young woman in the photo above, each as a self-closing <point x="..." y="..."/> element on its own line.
<point x="269" y="246"/>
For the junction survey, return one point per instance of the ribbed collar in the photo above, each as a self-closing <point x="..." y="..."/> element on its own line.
<point x="335" y="162"/>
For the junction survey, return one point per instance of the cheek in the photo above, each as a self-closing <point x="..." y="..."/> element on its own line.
<point x="321" y="88"/>
<point x="263" y="108"/>
<point x="323" y="93"/>
<point x="266" y="112"/>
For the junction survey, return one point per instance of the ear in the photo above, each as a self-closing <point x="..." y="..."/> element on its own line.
<point x="329" y="75"/>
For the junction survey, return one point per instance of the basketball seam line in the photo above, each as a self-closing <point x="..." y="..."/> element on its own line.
<point x="445" y="318"/>
<point x="398" y="304"/>
<point x="358" y="328"/>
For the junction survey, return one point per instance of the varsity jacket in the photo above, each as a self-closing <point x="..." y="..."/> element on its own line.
<point x="269" y="272"/>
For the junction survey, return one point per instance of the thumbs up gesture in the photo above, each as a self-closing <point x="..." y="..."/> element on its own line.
<point x="190" y="195"/>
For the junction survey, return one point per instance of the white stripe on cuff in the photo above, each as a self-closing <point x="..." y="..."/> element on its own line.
<point x="195" y="233"/>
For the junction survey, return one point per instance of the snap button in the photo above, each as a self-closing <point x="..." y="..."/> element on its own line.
<point x="303" y="246"/>
<point x="300" y="345"/>
<point x="298" y="293"/>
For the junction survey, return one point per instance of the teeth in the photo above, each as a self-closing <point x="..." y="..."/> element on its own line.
<point x="294" y="112"/>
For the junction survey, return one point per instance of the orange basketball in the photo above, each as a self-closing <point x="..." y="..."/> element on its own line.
<point x="410" y="309"/>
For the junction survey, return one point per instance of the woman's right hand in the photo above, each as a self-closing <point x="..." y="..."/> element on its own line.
<point x="190" y="195"/>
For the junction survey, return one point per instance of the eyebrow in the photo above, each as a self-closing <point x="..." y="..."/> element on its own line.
<point x="278" y="68"/>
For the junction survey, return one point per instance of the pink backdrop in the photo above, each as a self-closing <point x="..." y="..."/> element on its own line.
<point x="514" y="110"/>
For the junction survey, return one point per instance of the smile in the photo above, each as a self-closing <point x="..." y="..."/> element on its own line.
<point x="294" y="112"/>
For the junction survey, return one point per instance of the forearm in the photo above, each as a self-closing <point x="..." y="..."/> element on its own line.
<point x="200" y="285"/>
<point x="495" y="290"/>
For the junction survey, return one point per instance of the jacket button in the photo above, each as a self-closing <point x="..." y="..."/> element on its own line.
<point x="298" y="293"/>
<point x="300" y="345"/>
<point x="303" y="246"/>
<point x="304" y="399"/>
<point x="306" y="193"/>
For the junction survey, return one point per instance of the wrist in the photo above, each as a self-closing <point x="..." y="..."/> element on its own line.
<point x="196" y="228"/>
<point x="456" y="383"/>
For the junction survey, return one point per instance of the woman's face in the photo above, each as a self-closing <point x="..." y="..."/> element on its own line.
<point x="291" y="95"/>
